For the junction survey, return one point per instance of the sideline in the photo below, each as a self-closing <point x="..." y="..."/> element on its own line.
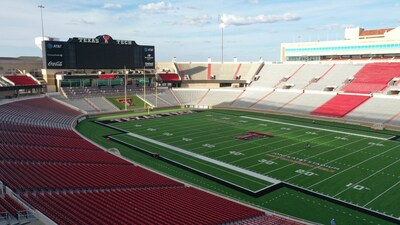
<point x="226" y="165"/>
<point x="316" y="128"/>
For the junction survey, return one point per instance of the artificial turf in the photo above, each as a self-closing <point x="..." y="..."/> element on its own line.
<point x="346" y="162"/>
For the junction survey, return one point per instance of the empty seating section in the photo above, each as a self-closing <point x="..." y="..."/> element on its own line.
<point x="307" y="103"/>
<point x="305" y="75"/>
<point x="247" y="71"/>
<point x="395" y="120"/>
<point x="275" y="100"/>
<point x="12" y="212"/>
<point x="273" y="74"/>
<point x="249" y="97"/>
<point x="163" y="98"/>
<point x="81" y="92"/>
<point x="31" y="129"/>
<point x="155" y="101"/>
<point x="219" y="97"/>
<point x="6" y="205"/>
<point x="22" y="80"/>
<point x="373" y="77"/>
<point x="15" y="137"/>
<point x="42" y="112"/>
<point x="340" y="105"/>
<point x="169" y="76"/>
<point x="377" y="109"/>
<point x="142" y="206"/>
<point x="269" y="220"/>
<point x="16" y="205"/>
<point x="4" y="83"/>
<point x="166" y="67"/>
<point x="74" y="182"/>
<point x="54" y="154"/>
<point x="190" y="96"/>
<point x="168" y="96"/>
<point x="336" y="77"/>
<point x="224" y="71"/>
<point x="195" y="71"/>
<point x="20" y="176"/>
<point x="102" y="104"/>
<point x="81" y="103"/>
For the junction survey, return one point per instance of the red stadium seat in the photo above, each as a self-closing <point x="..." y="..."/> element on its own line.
<point x="373" y="77"/>
<point x="340" y="105"/>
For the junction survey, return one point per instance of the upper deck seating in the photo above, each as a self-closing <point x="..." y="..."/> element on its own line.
<point x="22" y="80"/>
<point x="272" y="74"/>
<point x="335" y="78"/>
<point x="305" y="75"/>
<point x="195" y="71"/>
<point x="169" y="76"/>
<point x="373" y="77"/>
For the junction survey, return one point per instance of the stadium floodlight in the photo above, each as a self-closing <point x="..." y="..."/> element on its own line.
<point x="222" y="25"/>
<point x="41" y="19"/>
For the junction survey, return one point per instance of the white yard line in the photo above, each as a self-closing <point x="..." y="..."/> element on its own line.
<point x="373" y="174"/>
<point x="382" y="193"/>
<point x="202" y="163"/>
<point x="226" y="165"/>
<point x="316" y="128"/>
<point x="283" y="147"/>
<point x="390" y="149"/>
<point x="330" y="150"/>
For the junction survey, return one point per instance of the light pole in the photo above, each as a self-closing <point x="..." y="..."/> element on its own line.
<point x="126" y="82"/>
<point x="144" y="86"/>
<point x="222" y="25"/>
<point x="41" y="19"/>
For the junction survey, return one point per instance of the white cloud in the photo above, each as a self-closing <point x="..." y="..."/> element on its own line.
<point x="83" y="21"/>
<point x="229" y="19"/>
<point x="194" y="7"/>
<point x="197" y="20"/>
<point x="330" y="27"/>
<point x="159" y="6"/>
<point x="112" y="6"/>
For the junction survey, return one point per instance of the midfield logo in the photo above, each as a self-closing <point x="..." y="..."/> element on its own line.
<point x="253" y="134"/>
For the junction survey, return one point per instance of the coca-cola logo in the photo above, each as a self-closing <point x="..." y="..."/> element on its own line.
<point x="55" y="64"/>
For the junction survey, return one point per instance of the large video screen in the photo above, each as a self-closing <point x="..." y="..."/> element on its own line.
<point x="91" y="56"/>
<point x="101" y="52"/>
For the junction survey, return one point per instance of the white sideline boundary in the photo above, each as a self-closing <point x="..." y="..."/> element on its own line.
<point x="226" y="165"/>
<point x="316" y="128"/>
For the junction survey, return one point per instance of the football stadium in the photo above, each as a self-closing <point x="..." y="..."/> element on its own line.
<point x="98" y="131"/>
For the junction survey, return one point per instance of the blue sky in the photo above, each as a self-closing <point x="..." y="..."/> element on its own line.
<point x="190" y="30"/>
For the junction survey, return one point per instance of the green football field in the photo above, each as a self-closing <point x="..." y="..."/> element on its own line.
<point x="349" y="163"/>
<point x="137" y="103"/>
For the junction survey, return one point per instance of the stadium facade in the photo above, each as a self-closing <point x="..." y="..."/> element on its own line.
<point x="358" y="44"/>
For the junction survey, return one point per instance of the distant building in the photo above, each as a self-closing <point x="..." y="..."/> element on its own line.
<point x="21" y="65"/>
<point x="358" y="44"/>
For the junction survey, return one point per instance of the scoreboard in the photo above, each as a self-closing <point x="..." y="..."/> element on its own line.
<point x="102" y="52"/>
